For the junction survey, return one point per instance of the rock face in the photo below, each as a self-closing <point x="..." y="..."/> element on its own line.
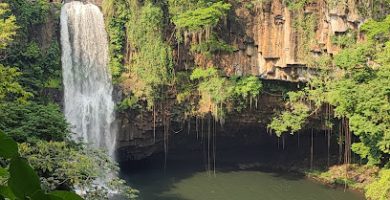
<point x="268" y="40"/>
<point x="136" y="136"/>
<point x="268" y="44"/>
<point x="138" y="139"/>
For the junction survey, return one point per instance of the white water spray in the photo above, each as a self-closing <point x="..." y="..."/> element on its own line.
<point x="89" y="107"/>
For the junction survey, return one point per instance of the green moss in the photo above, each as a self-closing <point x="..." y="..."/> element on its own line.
<point x="305" y="25"/>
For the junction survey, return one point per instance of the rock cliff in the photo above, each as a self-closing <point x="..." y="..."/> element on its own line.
<point x="269" y="42"/>
<point x="269" y="36"/>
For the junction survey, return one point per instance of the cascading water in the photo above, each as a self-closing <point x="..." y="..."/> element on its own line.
<point x="89" y="107"/>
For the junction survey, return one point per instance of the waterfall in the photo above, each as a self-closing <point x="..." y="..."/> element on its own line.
<point x="89" y="107"/>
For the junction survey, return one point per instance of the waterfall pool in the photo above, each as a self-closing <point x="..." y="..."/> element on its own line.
<point x="185" y="178"/>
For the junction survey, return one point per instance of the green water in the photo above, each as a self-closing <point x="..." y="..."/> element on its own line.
<point x="245" y="185"/>
<point x="185" y="178"/>
<point x="185" y="182"/>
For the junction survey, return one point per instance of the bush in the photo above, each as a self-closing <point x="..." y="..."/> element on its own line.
<point x="30" y="122"/>
<point x="380" y="188"/>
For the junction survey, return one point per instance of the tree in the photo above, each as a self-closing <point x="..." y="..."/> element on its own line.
<point x="9" y="86"/>
<point x="8" y="26"/>
<point x="357" y="85"/>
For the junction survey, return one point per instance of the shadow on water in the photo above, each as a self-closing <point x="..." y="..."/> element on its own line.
<point x="242" y="172"/>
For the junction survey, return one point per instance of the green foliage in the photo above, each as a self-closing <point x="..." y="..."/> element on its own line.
<point x="380" y="188"/>
<point x="216" y="91"/>
<point x="151" y="64"/>
<point x="54" y="83"/>
<point x="61" y="165"/>
<point x="10" y="89"/>
<point x="293" y="119"/>
<point x="38" y="66"/>
<point x="185" y="86"/>
<point x="66" y="195"/>
<point x="149" y="68"/>
<point x="8" y="26"/>
<point x="29" y="13"/>
<point x="201" y="18"/>
<point x="8" y="147"/>
<point x="117" y="38"/>
<point x="199" y="73"/>
<point x="377" y="30"/>
<point x="23" y="182"/>
<point x="31" y="122"/>
<point x="357" y="177"/>
<point x="365" y="152"/>
<point x="130" y="102"/>
<point x="212" y="46"/>
<point x="353" y="58"/>
<point x="42" y="129"/>
<point x="358" y="90"/>
<point x="177" y="7"/>
<point x="345" y="40"/>
<point x="248" y="87"/>
<point x="296" y="4"/>
<point x="382" y="57"/>
<point x="37" y="62"/>
<point x="116" y="32"/>
<point x="375" y="9"/>
<point x="249" y="6"/>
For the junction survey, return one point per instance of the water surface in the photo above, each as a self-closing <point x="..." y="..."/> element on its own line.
<point x="186" y="179"/>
